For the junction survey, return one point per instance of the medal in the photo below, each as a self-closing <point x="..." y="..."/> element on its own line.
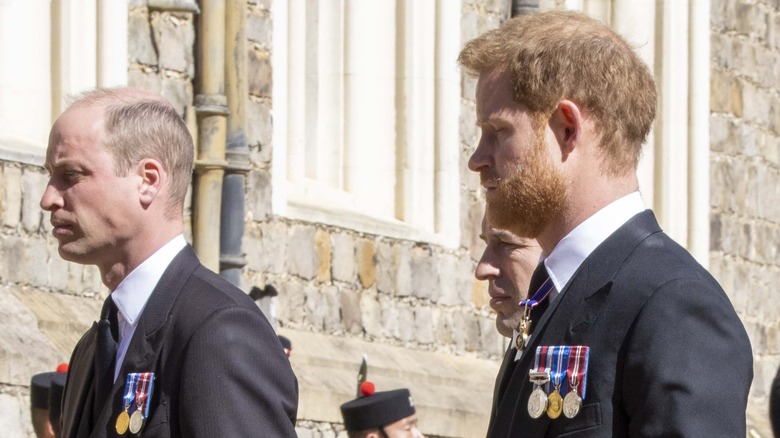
<point x="577" y="370"/>
<point x="123" y="419"/>
<point x="572" y="404"/>
<point x="141" y="394"/>
<point x="537" y="403"/>
<point x="136" y="421"/>
<point x="524" y="328"/>
<point x="559" y="360"/>
<point x="539" y="376"/>
<point x="554" y="404"/>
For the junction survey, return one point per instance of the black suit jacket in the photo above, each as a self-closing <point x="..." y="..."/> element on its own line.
<point x="220" y="370"/>
<point x="668" y="354"/>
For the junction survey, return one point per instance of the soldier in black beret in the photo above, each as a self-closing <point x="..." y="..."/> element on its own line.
<point x="39" y="404"/>
<point x="46" y="402"/>
<point x="384" y="414"/>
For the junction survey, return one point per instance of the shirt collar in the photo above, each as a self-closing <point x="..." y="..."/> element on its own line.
<point x="575" y="247"/>
<point x="134" y="291"/>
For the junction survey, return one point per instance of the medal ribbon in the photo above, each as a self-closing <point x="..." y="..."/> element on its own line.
<point x="129" y="395"/>
<point x="538" y="296"/>
<point x="560" y="362"/>
<point x="577" y="368"/>
<point x="144" y="388"/>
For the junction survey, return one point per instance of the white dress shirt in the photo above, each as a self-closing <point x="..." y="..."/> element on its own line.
<point x="134" y="291"/>
<point x="575" y="247"/>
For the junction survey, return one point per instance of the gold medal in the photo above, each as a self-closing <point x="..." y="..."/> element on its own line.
<point x="572" y="404"/>
<point x="136" y="421"/>
<point x="554" y="404"/>
<point x="122" y="421"/>
<point x="524" y="330"/>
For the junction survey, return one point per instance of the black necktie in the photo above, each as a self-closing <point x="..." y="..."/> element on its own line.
<point x="105" y="355"/>
<point x="538" y="278"/>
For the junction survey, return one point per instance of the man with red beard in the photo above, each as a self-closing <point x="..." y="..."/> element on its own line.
<point x="623" y="332"/>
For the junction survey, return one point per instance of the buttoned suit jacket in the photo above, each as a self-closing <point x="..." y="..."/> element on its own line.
<point x="220" y="370"/>
<point x="668" y="354"/>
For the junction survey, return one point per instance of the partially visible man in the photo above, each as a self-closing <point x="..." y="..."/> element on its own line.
<point x="40" y="386"/>
<point x="623" y="322"/>
<point x="46" y="402"/>
<point x="384" y="414"/>
<point x="506" y="264"/>
<point x="178" y="351"/>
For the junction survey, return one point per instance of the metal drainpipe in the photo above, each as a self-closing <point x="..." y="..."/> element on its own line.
<point x="524" y="7"/>
<point x="211" y="108"/>
<point x="232" y="219"/>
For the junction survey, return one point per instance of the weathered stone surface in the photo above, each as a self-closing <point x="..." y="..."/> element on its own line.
<point x="33" y="186"/>
<point x="323" y="247"/>
<point x="258" y="202"/>
<point x="12" y="204"/>
<point x="332" y="303"/>
<point x="144" y="78"/>
<point x="291" y="301"/>
<point x="140" y="41"/>
<point x="315" y="307"/>
<point x="405" y="322"/>
<point x="367" y="261"/>
<point x="177" y="90"/>
<point x="402" y="253"/>
<point x="260" y="66"/>
<point x="351" y="316"/>
<point x="344" y="258"/>
<point x="423" y="325"/>
<point x="464" y="276"/>
<point x="449" y="295"/>
<point x="385" y="267"/>
<point x="259" y="130"/>
<point x="174" y="36"/>
<point x="372" y="314"/>
<point x="301" y="253"/>
<point x="259" y="26"/>
<point x="15" y="414"/>
<point x="424" y="276"/>
<point x="389" y="317"/>
<point x="23" y="348"/>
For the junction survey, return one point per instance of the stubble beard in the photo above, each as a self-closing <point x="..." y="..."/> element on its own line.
<point x="531" y="197"/>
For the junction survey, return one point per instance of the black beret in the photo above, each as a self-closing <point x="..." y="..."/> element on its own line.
<point x="55" y="397"/>
<point x="39" y="390"/>
<point x="377" y="410"/>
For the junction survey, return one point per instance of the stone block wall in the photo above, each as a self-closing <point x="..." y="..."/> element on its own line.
<point x="745" y="177"/>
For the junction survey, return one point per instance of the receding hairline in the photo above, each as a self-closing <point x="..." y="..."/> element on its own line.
<point x="113" y="97"/>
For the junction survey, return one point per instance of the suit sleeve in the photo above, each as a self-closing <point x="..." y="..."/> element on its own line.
<point x="688" y="364"/>
<point x="236" y="380"/>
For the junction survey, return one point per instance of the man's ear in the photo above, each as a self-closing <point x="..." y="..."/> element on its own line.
<point x="151" y="173"/>
<point x="566" y="123"/>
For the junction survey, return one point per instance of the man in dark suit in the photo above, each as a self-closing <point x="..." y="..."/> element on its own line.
<point x="564" y="105"/>
<point x="178" y="351"/>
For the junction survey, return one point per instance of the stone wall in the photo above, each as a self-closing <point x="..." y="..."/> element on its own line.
<point x="745" y="177"/>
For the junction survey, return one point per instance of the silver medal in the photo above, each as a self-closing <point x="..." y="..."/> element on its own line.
<point x="136" y="421"/>
<point x="537" y="403"/>
<point x="572" y="404"/>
